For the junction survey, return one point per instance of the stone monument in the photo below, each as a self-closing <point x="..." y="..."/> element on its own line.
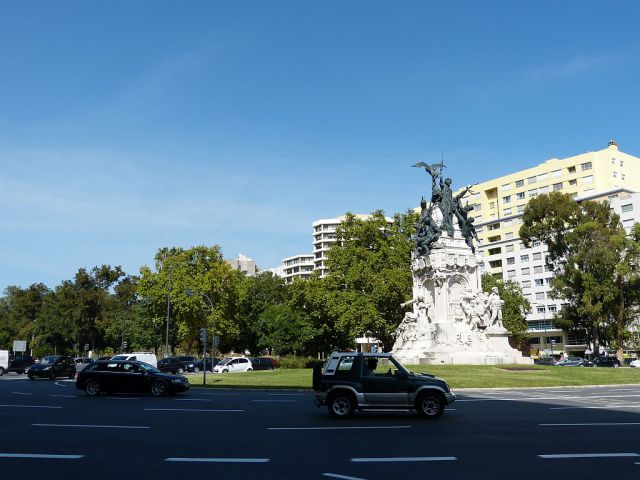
<point x="452" y="320"/>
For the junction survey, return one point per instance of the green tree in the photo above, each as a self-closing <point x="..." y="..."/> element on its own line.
<point x="284" y="331"/>
<point x="256" y="294"/>
<point x="514" y="310"/>
<point x="370" y="275"/>
<point x="595" y="265"/>
<point x="202" y="270"/>
<point x="21" y="309"/>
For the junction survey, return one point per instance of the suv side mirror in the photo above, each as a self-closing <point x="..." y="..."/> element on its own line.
<point x="402" y="375"/>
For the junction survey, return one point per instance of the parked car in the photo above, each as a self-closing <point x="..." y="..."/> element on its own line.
<point x="128" y="376"/>
<point x="233" y="364"/>
<point x="171" y="365"/>
<point x="52" y="366"/>
<point x="20" y="363"/>
<point x="635" y="363"/>
<point x="571" y="362"/>
<point x="358" y="381"/>
<point x="81" y="363"/>
<point x="263" y="363"/>
<point x="147" y="357"/>
<point x="604" y="362"/>
<point x="198" y="365"/>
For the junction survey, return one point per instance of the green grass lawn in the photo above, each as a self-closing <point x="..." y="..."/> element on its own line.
<point x="458" y="376"/>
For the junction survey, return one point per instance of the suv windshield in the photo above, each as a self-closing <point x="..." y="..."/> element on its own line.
<point x="149" y="368"/>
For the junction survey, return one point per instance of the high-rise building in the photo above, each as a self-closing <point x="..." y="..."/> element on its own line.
<point x="297" y="266"/>
<point x="607" y="174"/>
<point x="244" y="264"/>
<point x="324" y="236"/>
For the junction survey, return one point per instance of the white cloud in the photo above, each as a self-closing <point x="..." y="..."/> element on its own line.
<point x="575" y="66"/>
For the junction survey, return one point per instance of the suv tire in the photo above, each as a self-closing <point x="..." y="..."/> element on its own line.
<point x="341" y="404"/>
<point x="180" y="370"/>
<point x="92" y="388"/>
<point x="159" y="388"/>
<point x="430" y="405"/>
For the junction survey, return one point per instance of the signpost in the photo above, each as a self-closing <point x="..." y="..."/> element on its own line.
<point x="19" y="346"/>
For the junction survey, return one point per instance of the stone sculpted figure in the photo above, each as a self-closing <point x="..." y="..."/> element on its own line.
<point x="447" y="206"/>
<point x="495" y="308"/>
<point x="435" y="170"/>
<point x="403" y="332"/>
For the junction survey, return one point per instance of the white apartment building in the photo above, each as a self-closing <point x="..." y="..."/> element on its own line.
<point x="324" y="236"/>
<point x="297" y="266"/>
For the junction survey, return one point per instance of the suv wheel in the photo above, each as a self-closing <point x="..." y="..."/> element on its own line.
<point x="180" y="370"/>
<point x="158" y="388"/>
<point x="1" y="371"/>
<point x="196" y="369"/>
<point x="430" y="405"/>
<point x="341" y="405"/>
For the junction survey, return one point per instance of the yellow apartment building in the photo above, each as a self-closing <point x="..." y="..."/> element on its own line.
<point x="499" y="203"/>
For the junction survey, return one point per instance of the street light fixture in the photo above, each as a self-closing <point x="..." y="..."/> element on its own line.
<point x="213" y="335"/>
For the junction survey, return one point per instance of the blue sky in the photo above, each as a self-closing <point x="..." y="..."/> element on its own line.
<point x="128" y="126"/>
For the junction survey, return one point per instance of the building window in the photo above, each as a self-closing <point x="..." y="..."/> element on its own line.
<point x="511" y="260"/>
<point x="533" y="192"/>
<point x="587" y="179"/>
<point x="507" y="223"/>
<point x="548" y="268"/>
<point x="542" y="176"/>
<point x="492" y="205"/>
<point x="495" y="263"/>
<point x="540" y="309"/>
<point x="526" y="284"/>
<point x="519" y="183"/>
<point x="627" y="208"/>
<point x="552" y="308"/>
<point x="573" y="183"/>
<point x="536" y="243"/>
<point x="520" y="195"/>
<point x="585" y="166"/>
<point x="509" y="248"/>
<point x="525" y="271"/>
<point x="521" y="208"/>
<point x="621" y="163"/>
<point x="539" y="282"/>
<point x="571" y="169"/>
<point x="537" y="269"/>
<point x="506" y="199"/>
<point x="557" y="186"/>
<point x="506" y="186"/>
<point x="615" y="174"/>
<point x="531" y="180"/>
<point x="524" y="258"/>
<point x="556" y="173"/>
<point x="477" y="207"/>
<point x="507" y="211"/>
<point x="508" y="236"/>
<point x="511" y="273"/>
<point x="622" y="176"/>
<point x="537" y="256"/>
<point x="540" y="296"/>
<point x="544" y="189"/>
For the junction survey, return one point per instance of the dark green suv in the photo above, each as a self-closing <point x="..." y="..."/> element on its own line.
<point x="353" y="381"/>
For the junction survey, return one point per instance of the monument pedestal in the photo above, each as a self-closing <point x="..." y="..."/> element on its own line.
<point x="453" y="322"/>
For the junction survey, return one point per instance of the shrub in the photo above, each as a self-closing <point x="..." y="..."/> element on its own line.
<point x="290" y="361"/>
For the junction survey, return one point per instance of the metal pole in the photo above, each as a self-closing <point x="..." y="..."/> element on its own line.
<point x="204" y="358"/>
<point x="166" y="341"/>
<point x="213" y="333"/>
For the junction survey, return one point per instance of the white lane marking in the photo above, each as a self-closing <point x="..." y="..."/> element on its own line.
<point x="589" y="455"/>
<point x="192" y="399"/>
<point x="64" y="425"/>
<point x="123" y="398"/>
<point x="343" y="477"/>
<point x="20" y="393"/>
<point x="30" y="406"/>
<point x="222" y="394"/>
<point x="403" y="459"/>
<point x="595" y="408"/>
<point x="65" y="396"/>
<point x="276" y="401"/>
<point x="216" y="460"/>
<point x="602" y="424"/>
<point x="188" y="410"/>
<point x="341" y="428"/>
<point x="40" y="455"/>
<point x="565" y="397"/>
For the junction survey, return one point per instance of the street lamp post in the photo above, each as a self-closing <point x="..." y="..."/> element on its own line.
<point x="213" y="334"/>
<point x="166" y="338"/>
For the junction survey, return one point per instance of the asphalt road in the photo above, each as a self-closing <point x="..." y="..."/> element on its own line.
<point x="50" y="430"/>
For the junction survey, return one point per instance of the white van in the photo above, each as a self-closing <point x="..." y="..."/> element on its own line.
<point x="146" y="357"/>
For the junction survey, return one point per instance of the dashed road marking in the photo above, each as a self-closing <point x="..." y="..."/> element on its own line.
<point x="41" y="456"/>
<point x="216" y="460"/>
<point x="588" y="455"/>
<point x="387" y="427"/>
<point x="63" y="425"/>
<point x="403" y="459"/>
